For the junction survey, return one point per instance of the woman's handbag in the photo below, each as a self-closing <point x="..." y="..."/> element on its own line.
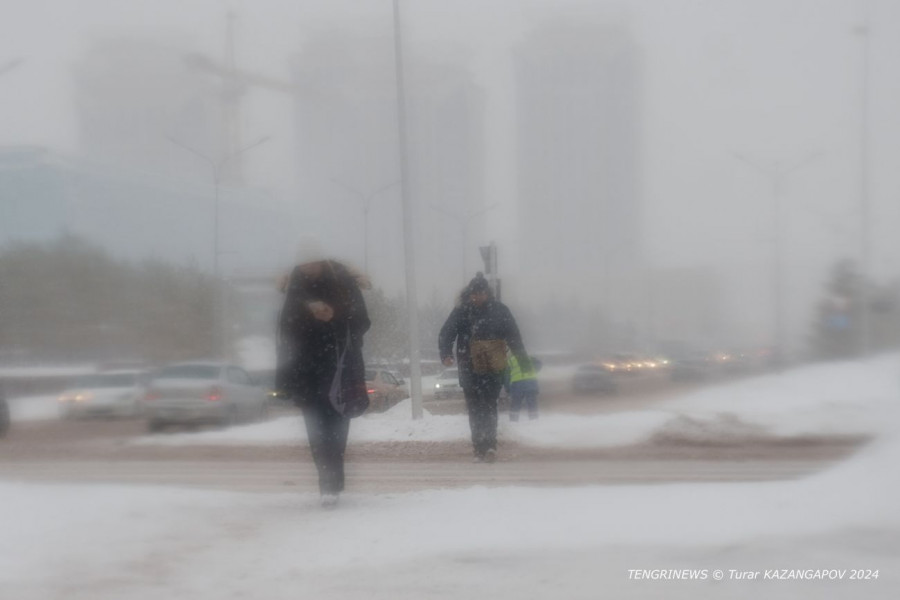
<point x="488" y="356"/>
<point x="349" y="399"/>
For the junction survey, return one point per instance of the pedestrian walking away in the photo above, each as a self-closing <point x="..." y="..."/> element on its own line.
<point x="483" y="330"/>
<point x="320" y="361"/>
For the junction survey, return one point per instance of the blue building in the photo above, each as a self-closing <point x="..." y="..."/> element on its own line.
<point x="138" y="215"/>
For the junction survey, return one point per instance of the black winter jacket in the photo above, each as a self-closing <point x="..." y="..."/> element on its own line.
<point x="490" y="321"/>
<point x="308" y="348"/>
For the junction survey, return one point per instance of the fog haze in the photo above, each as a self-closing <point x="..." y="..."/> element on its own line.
<point x="720" y="96"/>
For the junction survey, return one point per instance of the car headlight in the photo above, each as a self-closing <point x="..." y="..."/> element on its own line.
<point x="437" y="385"/>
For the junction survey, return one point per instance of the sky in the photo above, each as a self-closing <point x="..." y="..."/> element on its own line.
<point x="505" y="541"/>
<point x="776" y="82"/>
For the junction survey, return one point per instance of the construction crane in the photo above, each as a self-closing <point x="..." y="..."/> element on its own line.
<point x="10" y="65"/>
<point x="234" y="84"/>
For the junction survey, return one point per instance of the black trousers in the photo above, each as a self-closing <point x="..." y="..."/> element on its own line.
<point x="481" y="392"/>
<point x="327" y="431"/>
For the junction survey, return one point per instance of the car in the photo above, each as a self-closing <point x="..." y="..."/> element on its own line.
<point x="623" y="363"/>
<point x="593" y="378"/>
<point x="447" y="385"/>
<point x="197" y="393"/>
<point x="266" y="379"/>
<point x="385" y="389"/>
<point x="107" y="394"/>
<point x="692" y="366"/>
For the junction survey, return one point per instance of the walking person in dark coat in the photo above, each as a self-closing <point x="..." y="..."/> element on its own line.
<point x="321" y="325"/>
<point x="482" y="329"/>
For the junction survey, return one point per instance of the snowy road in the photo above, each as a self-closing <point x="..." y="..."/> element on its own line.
<point x="703" y="496"/>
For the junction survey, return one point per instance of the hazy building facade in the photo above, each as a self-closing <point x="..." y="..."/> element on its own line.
<point x="448" y="162"/>
<point x="578" y="111"/>
<point x="137" y="215"/>
<point x="348" y="156"/>
<point x="133" y="95"/>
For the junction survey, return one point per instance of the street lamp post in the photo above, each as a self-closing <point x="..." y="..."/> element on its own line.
<point x="217" y="169"/>
<point x="865" y="235"/>
<point x="463" y="219"/>
<point x="777" y="174"/>
<point x="412" y="302"/>
<point x="366" y="202"/>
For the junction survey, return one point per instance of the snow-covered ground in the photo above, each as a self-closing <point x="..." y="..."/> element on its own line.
<point x="809" y="538"/>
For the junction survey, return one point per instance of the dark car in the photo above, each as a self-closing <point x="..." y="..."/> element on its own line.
<point x="691" y="367"/>
<point x="593" y="378"/>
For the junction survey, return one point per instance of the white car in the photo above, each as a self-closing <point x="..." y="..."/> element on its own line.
<point x="107" y="394"/>
<point x="447" y="385"/>
<point x="203" y="393"/>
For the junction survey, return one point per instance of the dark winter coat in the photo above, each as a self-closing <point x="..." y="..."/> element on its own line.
<point x="490" y="321"/>
<point x="307" y="347"/>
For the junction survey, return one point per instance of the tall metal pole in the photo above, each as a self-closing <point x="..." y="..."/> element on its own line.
<point x="232" y="102"/>
<point x="415" y="367"/>
<point x="465" y="243"/>
<point x="777" y="262"/>
<point x="865" y="332"/>
<point x="366" y="236"/>
<point x="218" y="311"/>
<point x="216" y="176"/>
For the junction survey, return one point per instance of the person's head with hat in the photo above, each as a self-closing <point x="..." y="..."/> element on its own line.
<point x="310" y="260"/>
<point x="478" y="291"/>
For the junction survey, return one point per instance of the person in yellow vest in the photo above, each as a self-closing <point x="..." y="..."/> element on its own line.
<point x="523" y="388"/>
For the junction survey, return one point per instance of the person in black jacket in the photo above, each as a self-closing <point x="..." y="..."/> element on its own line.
<point x="477" y="323"/>
<point x="321" y="325"/>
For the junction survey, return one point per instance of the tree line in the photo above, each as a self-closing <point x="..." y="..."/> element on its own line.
<point x="836" y="330"/>
<point x="70" y="301"/>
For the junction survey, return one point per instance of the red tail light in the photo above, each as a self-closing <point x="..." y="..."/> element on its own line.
<point x="372" y="391"/>
<point x="215" y="394"/>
